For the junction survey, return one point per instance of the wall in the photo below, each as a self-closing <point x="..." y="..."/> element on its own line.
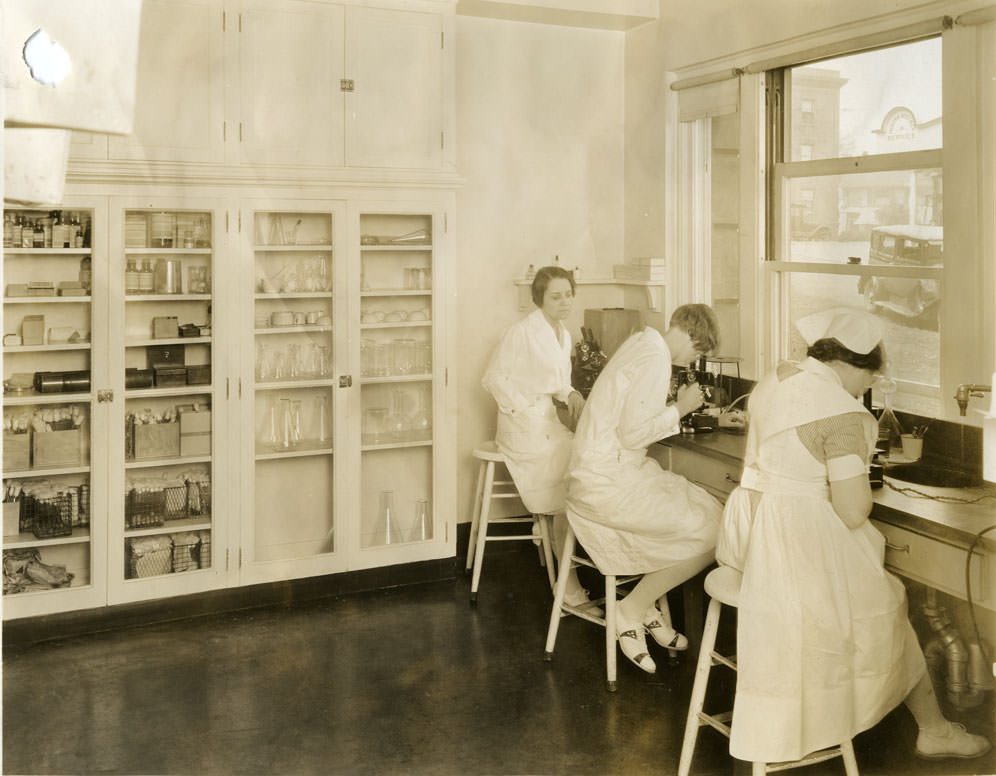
<point x="540" y="133"/>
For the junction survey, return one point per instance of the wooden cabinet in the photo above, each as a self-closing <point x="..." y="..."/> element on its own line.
<point x="238" y="352"/>
<point x="718" y="475"/>
<point x="290" y="84"/>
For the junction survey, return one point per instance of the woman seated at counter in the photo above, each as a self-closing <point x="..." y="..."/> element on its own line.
<point x="631" y="516"/>
<point x="824" y="645"/>
<point x="530" y="370"/>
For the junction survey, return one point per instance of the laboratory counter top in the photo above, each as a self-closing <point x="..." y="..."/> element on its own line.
<point x="915" y="507"/>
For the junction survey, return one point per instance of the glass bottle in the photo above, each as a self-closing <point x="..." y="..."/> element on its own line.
<point x="27" y="234"/>
<point x="322" y="416"/>
<point x="286" y="424"/>
<point x="421" y="528"/>
<point x="889" y="430"/>
<point x="296" y="434"/>
<point x="270" y="437"/>
<point x="421" y="421"/>
<point x="262" y="363"/>
<point x="324" y="276"/>
<point x="385" y="527"/>
<point x="86" y="273"/>
<point x="373" y="425"/>
<point x="38" y="235"/>
<point x="146" y="277"/>
<point x="16" y="226"/>
<point x="398" y="423"/>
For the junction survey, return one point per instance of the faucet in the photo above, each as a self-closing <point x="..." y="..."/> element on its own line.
<point x="966" y="390"/>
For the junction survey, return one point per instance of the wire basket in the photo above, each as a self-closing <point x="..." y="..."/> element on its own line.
<point x="148" y="556"/>
<point x="198" y="498"/>
<point x="186" y="551"/>
<point x="204" y="550"/>
<point x="145" y="508"/>
<point x="48" y="517"/>
<point x="176" y="502"/>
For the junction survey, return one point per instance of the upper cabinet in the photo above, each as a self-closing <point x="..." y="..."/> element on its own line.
<point x="293" y="83"/>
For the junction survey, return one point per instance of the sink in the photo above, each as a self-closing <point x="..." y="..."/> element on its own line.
<point x="930" y="474"/>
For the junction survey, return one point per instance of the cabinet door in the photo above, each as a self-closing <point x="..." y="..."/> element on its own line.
<point x="293" y="274"/>
<point x="290" y="65"/>
<point x="394" y="115"/>
<point x="179" y="100"/>
<point x="55" y="492"/>
<point x="170" y="489"/>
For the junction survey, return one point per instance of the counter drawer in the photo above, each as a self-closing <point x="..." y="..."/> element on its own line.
<point x="715" y="476"/>
<point x="937" y="564"/>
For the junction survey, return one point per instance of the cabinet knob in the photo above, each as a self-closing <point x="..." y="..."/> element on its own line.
<point x="346" y="381"/>
<point x="105" y="396"/>
<point x="346" y="85"/>
<point x="897" y="547"/>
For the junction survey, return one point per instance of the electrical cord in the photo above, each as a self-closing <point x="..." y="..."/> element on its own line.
<point x="914" y="493"/>
<point x="968" y="589"/>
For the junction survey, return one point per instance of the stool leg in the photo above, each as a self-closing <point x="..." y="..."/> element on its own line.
<point x="475" y="520"/>
<point x="546" y="554"/>
<point x="850" y="762"/>
<point x="758" y="769"/>
<point x="482" y="528"/>
<point x="702" y="667"/>
<point x="610" y="632"/>
<point x="558" y="594"/>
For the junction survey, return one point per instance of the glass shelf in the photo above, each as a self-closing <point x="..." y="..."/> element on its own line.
<point x="80" y="535"/>
<point x="154" y="462"/>
<point x="30" y="397"/>
<point x="46" y="300"/>
<point x="199" y="523"/>
<point x="45" y="472"/>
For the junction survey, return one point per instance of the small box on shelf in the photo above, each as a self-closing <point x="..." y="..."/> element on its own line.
<point x="33" y="330"/>
<point x="156" y="440"/>
<point x="167" y="376"/>
<point x="195" y="432"/>
<point x="56" y="448"/>
<point x="165" y="327"/>
<point x="16" y="451"/>
<point x="11" y="518"/>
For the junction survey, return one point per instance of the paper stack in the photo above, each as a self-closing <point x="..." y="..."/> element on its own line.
<point x="642" y="268"/>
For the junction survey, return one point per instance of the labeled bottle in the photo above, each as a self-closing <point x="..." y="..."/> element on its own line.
<point x="86" y="234"/>
<point x="146" y="277"/>
<point x="8" y="227"/>
<point x="131" y="277"/>
<point x="16" y="226"/>
<point x="75" y="231"/>
<point x="86" y="273"/>
<point x="60" y="232"/>
<point x="27" y="234"/>
<point x="38" y="235"/>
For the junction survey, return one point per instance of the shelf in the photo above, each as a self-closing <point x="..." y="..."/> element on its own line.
<point x="306" y="382"/>
<point x="46" y="300"/>
<point x="396" y="248"/>
<point x="42" y="472"/>
<point x="395" y="445"/>
<point x="31" y="397"/>
<point x="297" y="248"/>
<point x="199" y="523"/>
<point x="419" y="378"/>
<point x="397" y="292"/>
<point x="180" y="390"/>
<point x="46" y="348"/>
<point x="306" y="448"/>
<point x="292" y="329"/>
<point x="138" y="343"/>
<point x="295" y="295"/>
<point x="81" y="535"/>
<point x="168" y="298"/>
<point x="50" y="251"/>
<point x="395" y="325"/>
<point x="153" y="462"/>
<point x="166" y="251"/>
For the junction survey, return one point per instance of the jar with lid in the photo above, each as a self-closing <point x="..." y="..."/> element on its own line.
<point x="131" y="277"/>
<point x="146" y="277"/>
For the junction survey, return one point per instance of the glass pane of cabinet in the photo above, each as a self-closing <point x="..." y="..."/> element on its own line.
<point x="396" y="356"/>
<point x="48" y="546"/>
<point x="169" y="427"/>
<point x="293" y="270"/>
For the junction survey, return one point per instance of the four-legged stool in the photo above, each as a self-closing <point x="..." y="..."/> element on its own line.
<point x="488" y="488"/>
<point x="723" y="587"/>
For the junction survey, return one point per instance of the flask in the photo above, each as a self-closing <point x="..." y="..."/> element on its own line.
<point x="421" y="528"/>
<point x="398" y="422"/>
<point x="421" y="421"/>
<point x="385" y="528"/>
<point x="889" y="431"/>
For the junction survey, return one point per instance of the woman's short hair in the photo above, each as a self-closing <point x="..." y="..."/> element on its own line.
<point x="542" y="281"/>
<point x="699" y="321"/>
<point x="830" y="349"/>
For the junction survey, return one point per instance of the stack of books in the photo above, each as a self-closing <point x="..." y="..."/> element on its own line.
<point x="643" y="268"/>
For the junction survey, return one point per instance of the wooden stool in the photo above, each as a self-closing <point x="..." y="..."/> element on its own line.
<point x="569" y="560"/>
<point x="723" y="587"/>
<point x="488" y="488"/>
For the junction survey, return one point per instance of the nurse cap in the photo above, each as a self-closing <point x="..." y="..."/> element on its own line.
<point x="856" y="330"/>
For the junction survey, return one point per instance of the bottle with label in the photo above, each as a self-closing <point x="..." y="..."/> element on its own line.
<point x="146" y="277"/>
<point x="86" y="233"/>
<point x="27" y="234"/>
<point x="15" y="232"/>
<point x="75" y="231"/>
<point x="86" y="273"/>
<point x="8" y="228"/>
<point x="38" y="235"/>
<point x="131" y="277"/>
<point x="60" y="232"/>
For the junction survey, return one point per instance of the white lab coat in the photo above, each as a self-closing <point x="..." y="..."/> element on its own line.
<point x="630" y="515"/>
<point x="824" y="645"/>
<point x="528" y="369"/>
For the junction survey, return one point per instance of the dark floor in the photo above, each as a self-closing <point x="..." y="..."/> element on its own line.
<point x="408" y="681"/>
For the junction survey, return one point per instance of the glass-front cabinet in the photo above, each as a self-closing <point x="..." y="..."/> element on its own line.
<point x="165" y="497"/>
<point x="53" y="270"/>
<point x="292" y="260"/>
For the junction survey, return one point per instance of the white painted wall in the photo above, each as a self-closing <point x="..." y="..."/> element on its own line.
<point x="540" y="146"/>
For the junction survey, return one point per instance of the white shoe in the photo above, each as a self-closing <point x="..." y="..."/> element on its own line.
<point x="663" y="633"/>
<point x="579" y="598"/>
<point x="633" y="643"/>
<point x="954" y="742"/>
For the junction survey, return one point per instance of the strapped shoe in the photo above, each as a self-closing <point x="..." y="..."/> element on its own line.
<point x="633" y="643"/>
<point x="663" y="633"/>
<point x="955" y="742"/>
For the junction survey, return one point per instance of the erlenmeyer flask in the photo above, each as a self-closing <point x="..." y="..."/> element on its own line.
<point x="889" y="430"/>
<point x="421" y="528"/>
<point x="421" y="421"/>
<point x="385" y="526"/>
<point x="398" y="422"/>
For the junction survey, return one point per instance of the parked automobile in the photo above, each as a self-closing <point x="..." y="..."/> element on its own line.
<point x="904" y="245"/>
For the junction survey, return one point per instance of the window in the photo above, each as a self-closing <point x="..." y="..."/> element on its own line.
<point x="855" y="205"/>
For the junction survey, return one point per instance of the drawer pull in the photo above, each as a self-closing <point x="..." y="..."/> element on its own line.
<point x="729" y="478"/>
<point x="896" y="547"/>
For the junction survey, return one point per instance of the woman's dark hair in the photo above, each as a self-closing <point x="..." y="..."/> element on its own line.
<point x="542" y="281"/>
<point x="699" y="321"/>
<point x="830" y="349"/>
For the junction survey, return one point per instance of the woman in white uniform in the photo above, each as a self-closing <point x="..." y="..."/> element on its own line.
<point x="824" y="645"/>
<point x="530" y="370"/>
<point x="631" y="516"/>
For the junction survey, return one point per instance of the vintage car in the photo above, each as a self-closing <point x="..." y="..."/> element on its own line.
<point x="904" y="245"/>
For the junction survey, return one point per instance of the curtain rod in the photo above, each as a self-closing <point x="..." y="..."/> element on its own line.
<point x="709" y="78"/>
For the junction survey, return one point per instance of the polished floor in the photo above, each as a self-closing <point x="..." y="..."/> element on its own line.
<point x="405" y="681"/>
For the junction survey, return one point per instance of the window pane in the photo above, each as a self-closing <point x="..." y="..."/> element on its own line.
<point x="911" y="346"/>
<point x="725" y="234"/>
<point x="835" y="216"/>
<point x="876" y="102"/>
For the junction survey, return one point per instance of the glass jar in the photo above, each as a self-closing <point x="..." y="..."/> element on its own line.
<point x="398" y="422"/>
<point x="402" y="356"/>
<point x="131" y="276"/>
<point x="374" y="421"/>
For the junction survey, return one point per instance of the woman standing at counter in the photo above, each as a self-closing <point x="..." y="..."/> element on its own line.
<point x="528" y="372"/>
<point x="824" y="645"/>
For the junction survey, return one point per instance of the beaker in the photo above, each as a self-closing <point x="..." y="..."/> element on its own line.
<point x="382" y="359"/>
<point x="373" y="425"/>
<point x="421" y="421"/>
<point x="322" y="416"/>
<point x="367" y="347"/>
<point x="385" y="527"/>
<point x="422" y="527"/>
<point x="423" y="358"/>
<point x="403" y="356"/>
<point x="398" y="422"/>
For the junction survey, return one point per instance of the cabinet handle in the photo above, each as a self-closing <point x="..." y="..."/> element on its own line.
<point x="227" y="387"/>
<point x="730" y="478"/>
<point x="104" y="396"/>
<point x="346" y="85"/>
<point x="346" y="381"/>
<point x="896" y="547"/>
